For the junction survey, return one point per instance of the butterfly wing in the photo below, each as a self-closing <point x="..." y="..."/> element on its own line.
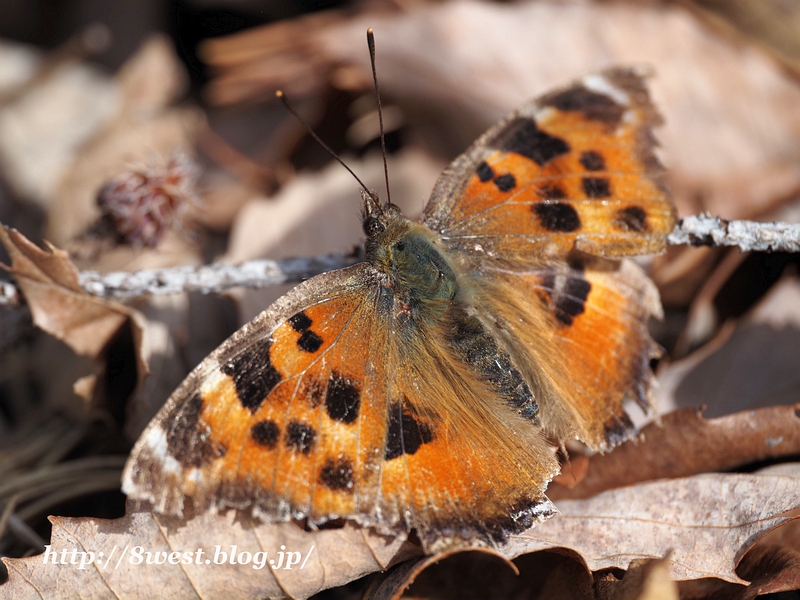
<point x="573" y="169"/>
<point x="326" y="406"/>
<point x="579" y="330"/>
<point x="570" y="175"/>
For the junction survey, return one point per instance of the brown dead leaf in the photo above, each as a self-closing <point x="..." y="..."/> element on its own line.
<point x="770" y="569"/>
<point x="319" y="560"/>
<point x="105" y="331"/>
<point x="686" y="444"/>
<point x="57" y="302"/>
<point x="477" y="574"/>
<point x="702" y="525"/>
<point x="707" y="521"/>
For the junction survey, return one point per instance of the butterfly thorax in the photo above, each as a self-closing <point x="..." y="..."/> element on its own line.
<point x="412" y="263"/>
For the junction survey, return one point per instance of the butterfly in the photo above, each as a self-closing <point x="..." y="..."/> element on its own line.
<point x="426" y="387"/>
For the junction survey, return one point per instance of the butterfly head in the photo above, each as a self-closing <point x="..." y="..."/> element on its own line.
<point x="376" y="220"/>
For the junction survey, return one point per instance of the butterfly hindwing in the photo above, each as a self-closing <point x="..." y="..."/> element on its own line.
<point x="578" y="328"/>
<point x="573" y="169"/>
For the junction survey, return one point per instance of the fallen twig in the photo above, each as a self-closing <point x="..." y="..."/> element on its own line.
<point x="705" y="230"/>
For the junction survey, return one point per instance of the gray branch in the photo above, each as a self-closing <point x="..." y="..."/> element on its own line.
<point x="210" y="278"/>
<point x="704" y="230"/>
<point x="700" y="230"/>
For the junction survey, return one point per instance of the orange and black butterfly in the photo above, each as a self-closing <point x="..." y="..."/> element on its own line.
<point x="424" y="388"/>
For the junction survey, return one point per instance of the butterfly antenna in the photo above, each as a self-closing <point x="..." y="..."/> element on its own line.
<point x="371" y="44"/>
<point x="280" y="95"/>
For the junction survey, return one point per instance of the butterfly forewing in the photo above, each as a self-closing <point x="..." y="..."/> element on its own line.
<point x="573" y="169"/>
<point x="248" y="426"/>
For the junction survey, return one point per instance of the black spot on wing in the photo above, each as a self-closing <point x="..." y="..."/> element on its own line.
<point x="594" y="105"/>
<point x="596" y="187"/>
<point x="343" y="399"/>
<point x="253" y="374"/>
<point x="551" y="192"/>
<point x="309" y="341"/>
<point x="337" y="475"/>
<point x="300" y="437"/>
<point x="593" y="161"/>
<point x="187" y="440"/>
<point x="300" y="322"/>
<point x="484" y="172"/>
<point x="522" y="136"/>
<point x="405" y="432"/>
<point x="570" y="301"/>
<point x="266" y="434"/>
<point x="631" y="218"/>
<point x="505" y="183"/>
<point x="557" y="217"/>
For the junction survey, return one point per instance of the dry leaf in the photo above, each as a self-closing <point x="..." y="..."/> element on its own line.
<point x="58" y="304"/>
<point x="318" y="560"/>
<point x="770" y="568"/>
<point x="704" y="523"/>
<point x="476" y="574"/>
<point x="686" y="444"/>
<point x="105" y="331"/>
<point x="708" y="521"/>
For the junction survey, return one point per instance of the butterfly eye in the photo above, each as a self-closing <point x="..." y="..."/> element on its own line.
<point x="400" y="246"/>
<point x="372" y="226"/>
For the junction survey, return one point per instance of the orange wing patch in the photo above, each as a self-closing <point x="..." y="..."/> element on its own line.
<point x="334" y="414"/>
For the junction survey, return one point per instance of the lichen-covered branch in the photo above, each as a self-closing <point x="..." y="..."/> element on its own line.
<point x="702" y="230"/>
<point x="210" y="278"/>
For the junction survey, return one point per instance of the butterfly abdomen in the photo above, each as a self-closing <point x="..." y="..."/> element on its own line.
<point x="474" y="345"/>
